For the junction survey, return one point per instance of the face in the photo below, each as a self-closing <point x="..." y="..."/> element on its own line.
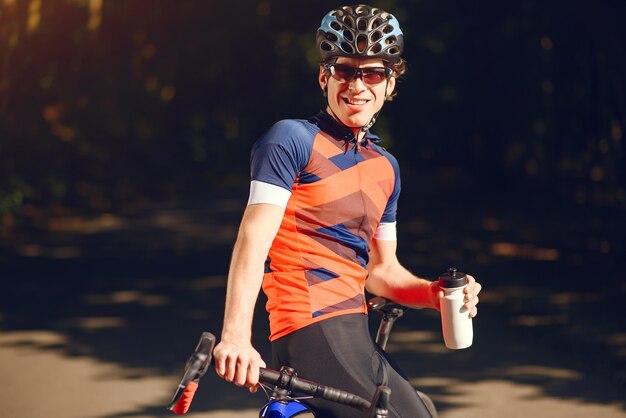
<point x="355" y="102"/>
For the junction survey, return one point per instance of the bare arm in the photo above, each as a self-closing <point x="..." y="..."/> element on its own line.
<point x="388" y="278"/>
<point x="236" y="360"/>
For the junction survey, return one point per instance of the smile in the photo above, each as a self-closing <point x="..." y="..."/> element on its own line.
<point x="354" y="101"/>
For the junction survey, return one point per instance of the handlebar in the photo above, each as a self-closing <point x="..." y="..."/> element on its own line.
<point x="196" y="367"/>
<point x="290" y="381"/>
<point x="286" y="379"/>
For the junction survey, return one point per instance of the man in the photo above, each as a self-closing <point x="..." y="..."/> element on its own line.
<point x="320" y="227"/>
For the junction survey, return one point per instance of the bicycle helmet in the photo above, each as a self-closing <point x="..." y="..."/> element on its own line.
<point x="360" y="31"/>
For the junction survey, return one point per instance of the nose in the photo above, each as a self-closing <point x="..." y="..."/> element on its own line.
<point x="357" y="83"/>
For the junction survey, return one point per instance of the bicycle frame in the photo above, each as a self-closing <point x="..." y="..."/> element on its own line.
<point x="283" y="409"/>
<point x="391" y="312"/>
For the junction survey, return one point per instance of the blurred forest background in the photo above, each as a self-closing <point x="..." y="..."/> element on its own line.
<point x="125" y="132"/>
<point x="109" y="105"/>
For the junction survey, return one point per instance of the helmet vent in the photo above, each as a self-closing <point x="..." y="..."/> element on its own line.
<point x="388" y="29"/>
<point x="335" y="25"/>
<point x="375" y="49"/>
<point x="361" y="24"/>
<point x="348" y="35"/>
<point x="325" y="46"/>
<point x="391" y="40"/>
<point x="361" y="11"/>
<point x="361" y="43"/>
<point x="347" y="47"/>
<point x="376" y="23"/>
<point x="375" y="36"/>
<point x="331" y="37"/>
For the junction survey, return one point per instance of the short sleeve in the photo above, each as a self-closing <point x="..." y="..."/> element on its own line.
<point x="389" y="215"/>
<point x="278" y="156"/>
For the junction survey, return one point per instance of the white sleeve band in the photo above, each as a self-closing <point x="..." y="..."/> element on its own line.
<point x="386" y="231"/>
<point x="261" y="192"/>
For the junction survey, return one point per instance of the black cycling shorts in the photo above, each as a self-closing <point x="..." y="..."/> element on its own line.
<point x="339" y="352"/>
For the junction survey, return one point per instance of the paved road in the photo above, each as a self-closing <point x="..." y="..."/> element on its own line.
<point x="98" y="314"/>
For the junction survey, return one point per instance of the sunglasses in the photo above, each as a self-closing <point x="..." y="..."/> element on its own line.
<point x="370" y="75"/>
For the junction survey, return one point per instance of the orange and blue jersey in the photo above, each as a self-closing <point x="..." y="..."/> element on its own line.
<point x="339" y="194"/>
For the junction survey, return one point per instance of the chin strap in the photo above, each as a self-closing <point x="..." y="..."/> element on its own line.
<point x="371" y="123"/>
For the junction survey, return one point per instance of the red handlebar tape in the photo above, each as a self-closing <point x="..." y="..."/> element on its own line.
<point x="183" y="404"/>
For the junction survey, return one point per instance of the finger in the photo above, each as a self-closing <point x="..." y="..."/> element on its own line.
<point x="253" y="376"/>
<point x="252" y="382"/>
<point x="230" y="368"/>
<point x="219" y="363"/>
<point x="439" y="295"/>
<point x="471" y="304"/>
<point x="253" y="373"/>
<point x="474" y="288"/>
<point x="472" y="292"/>
<point x="477" y="288"/>
<point x="473" y="312"/>
<point x="241" y="374"/>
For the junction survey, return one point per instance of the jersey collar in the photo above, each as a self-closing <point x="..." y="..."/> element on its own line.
<point x="329" y="125"/>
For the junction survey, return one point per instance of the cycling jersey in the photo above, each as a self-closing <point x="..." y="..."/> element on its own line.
<point x="337" y="194"/>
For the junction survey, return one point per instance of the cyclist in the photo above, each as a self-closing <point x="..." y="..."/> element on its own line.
<point x="320" y="227"/>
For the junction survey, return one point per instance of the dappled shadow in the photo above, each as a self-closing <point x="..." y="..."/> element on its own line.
<point x="552" y="357"/>
<point x="138" y="289"/>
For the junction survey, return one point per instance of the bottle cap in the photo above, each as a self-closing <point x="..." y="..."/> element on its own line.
<point x="452" y="278"/>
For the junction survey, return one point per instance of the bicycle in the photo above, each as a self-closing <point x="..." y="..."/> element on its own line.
<point x="285" y="383"/>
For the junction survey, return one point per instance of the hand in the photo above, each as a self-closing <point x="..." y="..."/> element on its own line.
<point x="238" y="362"/>
<point x="471" y="295"/>
<point x="436" y="294"/>
<point x="472" y="289"/>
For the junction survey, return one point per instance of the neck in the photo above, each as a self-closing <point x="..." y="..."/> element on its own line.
<point x="358" y="132"/>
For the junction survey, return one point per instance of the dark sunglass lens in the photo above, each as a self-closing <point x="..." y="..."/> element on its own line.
<point x="344" y="73"/>
<point x="374" y="75"/>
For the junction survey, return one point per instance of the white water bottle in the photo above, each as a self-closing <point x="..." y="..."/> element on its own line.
<point x="456" y="323"/>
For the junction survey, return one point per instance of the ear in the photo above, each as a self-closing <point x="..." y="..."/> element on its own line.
<point x="390" y="87"/>
<point x="322" y="79"/>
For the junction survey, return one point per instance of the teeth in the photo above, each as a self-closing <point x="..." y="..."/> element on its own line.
<point x="356" y="101"/>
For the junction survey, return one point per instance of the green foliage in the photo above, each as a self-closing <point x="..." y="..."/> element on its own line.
<point x="104" y="106"/>
<point x="12" y="198"/>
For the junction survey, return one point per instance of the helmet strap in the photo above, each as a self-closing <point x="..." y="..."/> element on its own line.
<point x="363" y="128"/>
<point x="373" y="120"/>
